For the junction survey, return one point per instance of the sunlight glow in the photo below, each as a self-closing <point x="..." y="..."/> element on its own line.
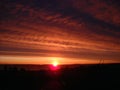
<point x="55" y="63"/>
<point x="54" y="66"/>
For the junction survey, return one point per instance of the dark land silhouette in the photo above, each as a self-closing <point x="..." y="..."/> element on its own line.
<point x="67" y="77"/>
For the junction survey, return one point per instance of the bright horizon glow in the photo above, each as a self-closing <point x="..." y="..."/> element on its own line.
<point x="48" y="60"/>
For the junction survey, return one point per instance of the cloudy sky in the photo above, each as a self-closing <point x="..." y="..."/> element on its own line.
<point x="71" y="31"/>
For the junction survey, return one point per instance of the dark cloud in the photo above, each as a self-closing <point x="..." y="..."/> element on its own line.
<point x="61" y="28"/>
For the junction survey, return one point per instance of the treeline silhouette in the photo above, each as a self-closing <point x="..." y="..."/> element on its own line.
<point x="106" y="76"/>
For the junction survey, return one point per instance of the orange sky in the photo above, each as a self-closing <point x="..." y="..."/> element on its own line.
<point x="33" y="32"/>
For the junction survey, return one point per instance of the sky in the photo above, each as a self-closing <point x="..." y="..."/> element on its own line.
<point x="68" y="31"/>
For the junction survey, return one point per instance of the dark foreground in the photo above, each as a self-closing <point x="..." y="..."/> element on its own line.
<point x="79" y="77"/>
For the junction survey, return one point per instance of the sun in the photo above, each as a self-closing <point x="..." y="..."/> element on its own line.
<point x="55" y="64"/>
